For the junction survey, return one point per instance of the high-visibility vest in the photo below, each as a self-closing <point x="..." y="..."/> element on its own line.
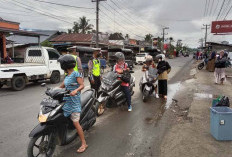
<point x="76" y="67"/>
<point x="96" y="67"/>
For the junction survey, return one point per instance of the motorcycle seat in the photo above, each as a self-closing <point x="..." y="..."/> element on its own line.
<point x="86" y="96"/>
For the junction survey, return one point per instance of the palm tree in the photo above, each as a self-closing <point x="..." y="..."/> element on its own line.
<point x="76" y="28"/>
<point x="84" y="25"/>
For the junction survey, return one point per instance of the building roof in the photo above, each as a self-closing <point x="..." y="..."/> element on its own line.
<point x="116" y="36"/>
<point x="73" y="37"/>
<point x="20" y="32"/>
<point x="47" y="34"/>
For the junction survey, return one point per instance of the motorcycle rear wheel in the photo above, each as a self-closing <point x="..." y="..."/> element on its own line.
<point x="44" y="143"/>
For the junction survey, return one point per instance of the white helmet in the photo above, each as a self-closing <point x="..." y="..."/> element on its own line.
<point x="149" y="58"/>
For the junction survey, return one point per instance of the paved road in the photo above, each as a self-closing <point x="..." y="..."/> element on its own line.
<point x="117" y="133"/>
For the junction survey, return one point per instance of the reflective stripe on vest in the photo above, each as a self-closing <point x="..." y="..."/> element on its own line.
<point x="96" y="67"/>
<point x="76" y="67"/>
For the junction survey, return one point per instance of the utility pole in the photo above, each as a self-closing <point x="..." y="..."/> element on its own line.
<point x="97" y="20"/>
<point x="206" y="32"/>
<point x="164" y="28"/>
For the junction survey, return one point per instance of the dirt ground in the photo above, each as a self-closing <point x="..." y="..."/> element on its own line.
<point x="190" y="135"/>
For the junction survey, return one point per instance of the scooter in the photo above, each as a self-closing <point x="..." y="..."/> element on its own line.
<point x="202" y="64"/>
<point x="110" y="93"/>
<point x="147" y="81"/>
<point x="55" y="129"/>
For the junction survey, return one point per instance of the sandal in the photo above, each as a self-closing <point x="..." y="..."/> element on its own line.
<point x="82" y="149"/>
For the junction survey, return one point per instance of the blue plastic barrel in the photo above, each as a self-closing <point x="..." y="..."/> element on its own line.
<point x="221" y="123"/>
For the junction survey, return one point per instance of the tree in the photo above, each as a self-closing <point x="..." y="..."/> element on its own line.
<point x="84" y="25"/>
<point x="148" y="38"/>
<point x="76" y="28"/>
<point x="46" y="43"/>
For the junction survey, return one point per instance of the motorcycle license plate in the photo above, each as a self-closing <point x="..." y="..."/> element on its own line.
<point x="42" y="118"/>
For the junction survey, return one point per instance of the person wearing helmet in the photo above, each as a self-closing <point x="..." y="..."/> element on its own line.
<point x="163" y="70"/>
<point x="75" y="54"/>
<point x="72" y="106"/>
<point x="150" y="64"/>
<point x="119" y="68"/>
<point x="94" y="66"/>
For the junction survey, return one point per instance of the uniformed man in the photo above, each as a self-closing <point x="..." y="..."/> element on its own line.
<point x="95" y="71"/>
<point x="78" y="66"/>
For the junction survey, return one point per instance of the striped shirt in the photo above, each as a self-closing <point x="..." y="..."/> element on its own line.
<point x="72" y="103"/>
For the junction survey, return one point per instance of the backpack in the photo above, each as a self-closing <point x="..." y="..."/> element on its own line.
<point x="126" y="76"/>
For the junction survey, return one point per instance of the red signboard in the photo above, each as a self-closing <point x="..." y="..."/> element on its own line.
<point x="221" y="27"/>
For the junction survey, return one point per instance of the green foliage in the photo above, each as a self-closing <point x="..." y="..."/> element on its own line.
<point x="148" y="38"/>
<point x="82" y="26"/>
<point x="46" y="43"/>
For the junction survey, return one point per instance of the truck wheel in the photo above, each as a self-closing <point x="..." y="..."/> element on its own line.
<point x="55" y="78"/>
<point x="18" y="83"/>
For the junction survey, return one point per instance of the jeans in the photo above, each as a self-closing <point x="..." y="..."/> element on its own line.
<point x="126" y="90"/>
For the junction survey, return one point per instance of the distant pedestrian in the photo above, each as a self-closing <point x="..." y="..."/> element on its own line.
<point x="163" y="70"/>
<point x="220" y="66"/>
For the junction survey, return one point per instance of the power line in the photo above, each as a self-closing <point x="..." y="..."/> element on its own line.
<point x="228" y="12"/>
<point x="126" y="16"/>
<point x="117" y="12"/>
<point x="220" y="10"/>
<point x="206" y="1"/>
<point x="22" y="5"/>
<point x="215" y="9"/>
<point x="120" y="24"/>
<point x="65" y="5"/>
<point x="211" y="8"/>
<point x="227" y="7"/>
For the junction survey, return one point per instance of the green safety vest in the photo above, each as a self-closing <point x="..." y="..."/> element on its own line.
<point x="76" y="67"/>
<point x="96" y="67"/>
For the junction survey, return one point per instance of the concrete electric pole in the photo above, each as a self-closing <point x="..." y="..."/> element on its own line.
<point x="206" y="32"/>
<point x="164" y="28"/>
<point x="97" y="20"/>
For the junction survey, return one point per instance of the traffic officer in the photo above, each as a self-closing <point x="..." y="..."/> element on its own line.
<point x="95" y="71"/>
<point x="78" y="66"/>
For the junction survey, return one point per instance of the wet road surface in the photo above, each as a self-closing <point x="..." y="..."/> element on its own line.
<point x="116" y="133"/>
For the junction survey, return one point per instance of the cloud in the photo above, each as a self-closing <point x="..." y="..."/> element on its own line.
<point x="134" y="17"/>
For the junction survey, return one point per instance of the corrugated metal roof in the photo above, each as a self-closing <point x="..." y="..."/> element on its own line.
<point x="73" y="37"/>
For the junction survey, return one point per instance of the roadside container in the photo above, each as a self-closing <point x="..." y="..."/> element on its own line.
<point x="221" y="123"/>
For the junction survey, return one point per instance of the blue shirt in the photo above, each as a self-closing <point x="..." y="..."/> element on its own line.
<point x="72" y="103"/>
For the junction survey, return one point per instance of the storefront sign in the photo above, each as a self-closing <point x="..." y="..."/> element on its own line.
<point x="221" y="27"/>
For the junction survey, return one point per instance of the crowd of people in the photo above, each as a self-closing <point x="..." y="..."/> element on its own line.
<point x="71" y="64"/>
<point x="217" y="62"/>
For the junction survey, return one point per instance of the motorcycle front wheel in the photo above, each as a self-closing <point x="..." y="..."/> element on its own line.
<point x="42" y="145"/>
<point x="100" y="108"/>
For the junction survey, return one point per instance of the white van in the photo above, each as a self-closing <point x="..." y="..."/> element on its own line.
<point x="140" y="58"/>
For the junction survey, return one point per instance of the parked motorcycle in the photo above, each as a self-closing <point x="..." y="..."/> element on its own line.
<point x="147" y="82"/>
<point x="202" y="64"/>
<point x="55" y="129"/>
<point x="110" y="93"/>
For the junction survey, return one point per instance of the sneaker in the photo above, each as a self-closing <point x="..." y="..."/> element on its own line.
<point x="129" y="108"/>
<point x="157" y="96"/>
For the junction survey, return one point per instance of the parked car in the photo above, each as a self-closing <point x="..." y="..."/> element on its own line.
<point x="140" y="58"/>
<point x="40" y="63"/>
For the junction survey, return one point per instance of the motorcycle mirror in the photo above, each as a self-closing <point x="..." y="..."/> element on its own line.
<point x="43" y="85"/>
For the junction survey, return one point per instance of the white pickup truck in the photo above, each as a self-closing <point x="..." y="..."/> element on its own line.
<point x="40" y="63"/>
<point x="140" y="58"/>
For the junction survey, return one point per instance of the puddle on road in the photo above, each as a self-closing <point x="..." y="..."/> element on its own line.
<point x="205" y="96"/>
<point x="172" y="89"/>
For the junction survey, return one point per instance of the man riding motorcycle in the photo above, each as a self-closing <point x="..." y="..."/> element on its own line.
<point x="121" y="67"/>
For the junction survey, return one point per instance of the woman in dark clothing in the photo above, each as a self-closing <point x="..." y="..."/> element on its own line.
<point x="163" y="69"/>
<point x="220" y="65"/>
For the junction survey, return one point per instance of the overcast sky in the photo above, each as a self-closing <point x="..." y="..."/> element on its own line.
<point x="135" y="17"/>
